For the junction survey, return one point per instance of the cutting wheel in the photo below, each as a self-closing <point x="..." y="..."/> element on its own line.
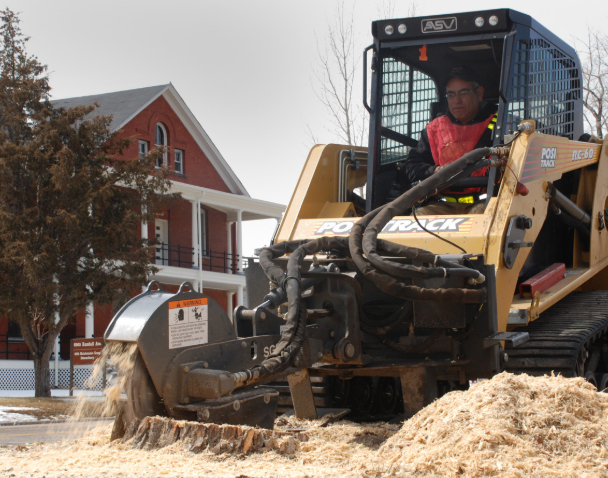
<point x="142" y="399"/>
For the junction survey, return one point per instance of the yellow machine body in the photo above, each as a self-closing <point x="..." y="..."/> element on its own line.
<point x="308" y="216"/>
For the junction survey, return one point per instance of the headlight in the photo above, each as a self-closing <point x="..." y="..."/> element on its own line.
<point x="493" y="20"/>
<point x="479" y="21"/>
<point x="388" y="29"/>
<point x="402" y="28"/>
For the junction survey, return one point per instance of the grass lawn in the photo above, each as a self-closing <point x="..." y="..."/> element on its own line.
<point x="55" y="408"/>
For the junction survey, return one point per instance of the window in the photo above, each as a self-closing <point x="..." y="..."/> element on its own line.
<point x="160" y="139"/>
<point x="179" y="161"/>
<point x="143" y="148"/>
<point x="14" y="332"/>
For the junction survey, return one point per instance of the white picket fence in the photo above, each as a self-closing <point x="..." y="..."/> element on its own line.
<point x="19" y="375"/>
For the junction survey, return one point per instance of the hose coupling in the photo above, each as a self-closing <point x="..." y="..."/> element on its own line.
<point x="526" y="127"/>
<point x="480" y="279"/>
<point x="501" y="152"/>
<point x="240" y="378"/>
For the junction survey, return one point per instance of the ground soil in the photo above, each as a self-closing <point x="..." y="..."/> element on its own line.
<point x="55" y="408"/>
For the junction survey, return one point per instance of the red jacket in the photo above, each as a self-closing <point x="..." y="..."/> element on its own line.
<point x="450" y="141"/>
<point x="422" y="160"/>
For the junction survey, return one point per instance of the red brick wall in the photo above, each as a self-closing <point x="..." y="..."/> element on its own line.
<point x="198" y="170"/>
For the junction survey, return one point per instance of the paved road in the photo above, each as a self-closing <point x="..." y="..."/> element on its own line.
<point x="48" y="432"/>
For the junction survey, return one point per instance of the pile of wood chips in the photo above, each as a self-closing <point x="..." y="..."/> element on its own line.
<point x="512" y="425"/>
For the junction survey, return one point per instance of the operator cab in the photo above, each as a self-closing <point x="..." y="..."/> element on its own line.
<point x="527" y="72"/>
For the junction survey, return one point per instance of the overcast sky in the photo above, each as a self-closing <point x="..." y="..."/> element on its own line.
<point x="243" y="67"/>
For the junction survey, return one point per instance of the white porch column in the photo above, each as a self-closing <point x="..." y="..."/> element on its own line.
<point x="239" y="251"/>
<point x="144" y="235"/>
<point x="56" y="350"/>
<point x="229" y="308"/>
<point x="89" y="324"/>
<point x="200" y="249"/>
<point x="229" y="241"/>
<point x="239" y="295"/>
<point x="144" y="225"/>
<point x="239" y="239"/>
<point x="195" y="234"/>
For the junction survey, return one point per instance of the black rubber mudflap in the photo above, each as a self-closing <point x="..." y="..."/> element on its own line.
<point x="561" y="336"/>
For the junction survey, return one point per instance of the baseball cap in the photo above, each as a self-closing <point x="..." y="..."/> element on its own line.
<point x="464" y="73"/>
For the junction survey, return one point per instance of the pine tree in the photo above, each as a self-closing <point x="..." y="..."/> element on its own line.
<point x="70" y="205"/>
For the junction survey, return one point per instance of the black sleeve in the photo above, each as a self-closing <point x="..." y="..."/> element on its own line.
<point x="419" y="164"/>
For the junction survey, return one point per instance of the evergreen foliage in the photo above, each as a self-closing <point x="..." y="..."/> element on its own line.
<point x="70" y="205"/>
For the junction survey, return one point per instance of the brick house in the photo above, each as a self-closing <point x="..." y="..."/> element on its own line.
<point x="201" y="235"/>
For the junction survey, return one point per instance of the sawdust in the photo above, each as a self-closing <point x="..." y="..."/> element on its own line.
<point x="119" y="355"/>
<point x="511" y="426"/>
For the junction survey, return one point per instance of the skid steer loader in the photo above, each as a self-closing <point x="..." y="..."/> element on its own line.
<point x="361" y="303"/>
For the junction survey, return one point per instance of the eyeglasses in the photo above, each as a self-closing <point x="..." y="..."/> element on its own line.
<point x="461" y="94"/>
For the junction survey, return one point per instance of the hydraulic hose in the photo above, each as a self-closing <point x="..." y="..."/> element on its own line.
<point x="378" y="270"/>
<point x="406" y="201"/>
<point x="381" y="272"/>
<point x="294" y="332"/>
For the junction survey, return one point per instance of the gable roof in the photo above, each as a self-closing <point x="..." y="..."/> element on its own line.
<point x="123" y="106"/>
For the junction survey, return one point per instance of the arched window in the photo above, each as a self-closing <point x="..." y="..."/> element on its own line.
<point x="160" y="139"/>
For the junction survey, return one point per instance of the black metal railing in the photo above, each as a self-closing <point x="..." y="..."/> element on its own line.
<point x="14" y="348"/>
<point x="220" y="262"/>
<point x="181" y="256"/>
<point x="174" y="255"/>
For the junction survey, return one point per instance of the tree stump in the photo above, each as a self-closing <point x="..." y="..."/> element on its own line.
<point x="158" y="432"/>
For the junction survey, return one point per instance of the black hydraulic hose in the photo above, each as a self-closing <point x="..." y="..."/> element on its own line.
<point x="406" y="201"/>
<point x="380" y="217"/>
<point x="465" y="173"/>
<point x="294" y="332"/>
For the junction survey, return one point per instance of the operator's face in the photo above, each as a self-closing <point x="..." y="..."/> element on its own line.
<point x="463" y="99"/>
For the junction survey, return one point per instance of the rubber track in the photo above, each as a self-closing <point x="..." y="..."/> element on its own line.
<point x="559" y="335"/>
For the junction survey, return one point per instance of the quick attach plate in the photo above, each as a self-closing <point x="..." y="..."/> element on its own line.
<point x="256" y="407"/>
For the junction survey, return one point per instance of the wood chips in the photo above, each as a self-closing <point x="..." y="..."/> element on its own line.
<point x="510" y="426"/>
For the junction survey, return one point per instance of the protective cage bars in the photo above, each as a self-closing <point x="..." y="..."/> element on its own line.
<point x="407" y="95"/>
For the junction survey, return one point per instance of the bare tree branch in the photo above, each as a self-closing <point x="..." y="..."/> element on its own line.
<point x="594" y="57"/>
<point x="336" y="77"/>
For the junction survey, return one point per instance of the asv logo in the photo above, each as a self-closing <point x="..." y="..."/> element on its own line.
<point x="548" y="157"/>
<point x="434" y="25"/>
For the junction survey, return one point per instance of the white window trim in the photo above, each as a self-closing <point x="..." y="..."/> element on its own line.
<point x="143" y="143"/>
<point x="162" y="127"/>
<point x="180" y="153"/>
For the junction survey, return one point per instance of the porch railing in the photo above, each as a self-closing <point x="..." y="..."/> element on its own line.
<point x="14" y="348"/>
<point x="220" y="262"/>
<point x="174" y="255"/>
<point x="180" y="256"/>
<point x="11" y="348"/>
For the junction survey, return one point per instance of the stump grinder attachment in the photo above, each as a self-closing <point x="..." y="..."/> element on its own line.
<point x="186" y="361"/>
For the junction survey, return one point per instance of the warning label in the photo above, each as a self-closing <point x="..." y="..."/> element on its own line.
<point x="188" y="323"/>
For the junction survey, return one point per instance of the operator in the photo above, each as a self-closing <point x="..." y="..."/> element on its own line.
<point x="467" y="125"/>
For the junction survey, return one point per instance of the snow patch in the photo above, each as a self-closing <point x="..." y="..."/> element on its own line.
<point x="7" y="414"/>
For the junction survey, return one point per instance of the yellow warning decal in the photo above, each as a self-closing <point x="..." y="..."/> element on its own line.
<point x="178" y="304"/>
